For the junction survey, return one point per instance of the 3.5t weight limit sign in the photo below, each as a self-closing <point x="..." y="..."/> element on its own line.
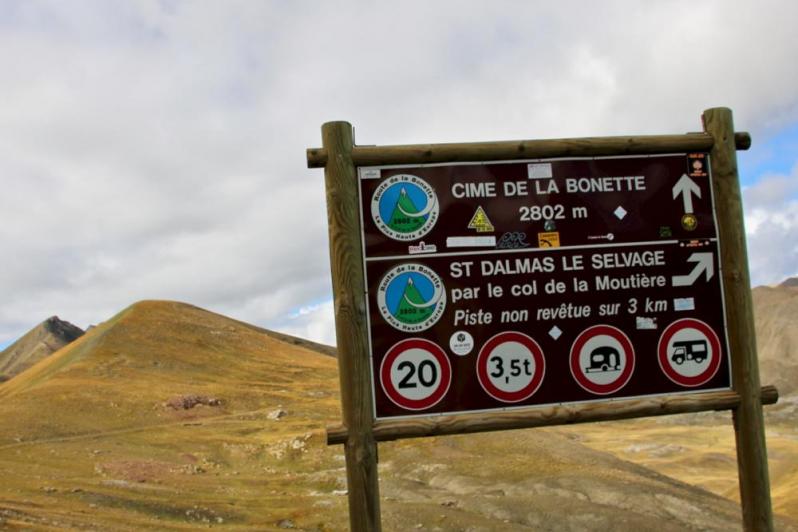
<point x="510" y="367"/>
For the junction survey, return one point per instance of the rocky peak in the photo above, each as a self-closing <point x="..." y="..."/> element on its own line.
<point x="62" y="329"/>
<point x="39" y="343"/>
<point x="790" y="282"/>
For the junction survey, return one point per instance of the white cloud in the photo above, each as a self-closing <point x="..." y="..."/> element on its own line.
<point x="315" y="322"/>
<point x="156" y="149"/>
<point x="771" y="223"/>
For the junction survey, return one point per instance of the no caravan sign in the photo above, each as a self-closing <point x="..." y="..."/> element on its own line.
<point x="504" y="284"/>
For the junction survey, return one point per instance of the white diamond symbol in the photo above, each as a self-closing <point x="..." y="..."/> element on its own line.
<point x="555" y="332"/>
<point x="620" y="212"/>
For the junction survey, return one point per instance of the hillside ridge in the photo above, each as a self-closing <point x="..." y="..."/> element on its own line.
<point x="775" y="319"/>
<point x="95" y="334"/>
<point x="168" y="416"/>
<point x="36" y="345"/>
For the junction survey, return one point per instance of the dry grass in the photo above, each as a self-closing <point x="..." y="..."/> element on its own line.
<point x="700" y="449"/>
<point x="88" y="428"/>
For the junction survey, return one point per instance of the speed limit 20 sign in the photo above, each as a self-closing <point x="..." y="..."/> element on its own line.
<point x="415" y="374"/>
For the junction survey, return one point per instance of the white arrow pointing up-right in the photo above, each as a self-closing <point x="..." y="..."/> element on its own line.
<point x="704" y="263"/>
<point x="686" y="187"/>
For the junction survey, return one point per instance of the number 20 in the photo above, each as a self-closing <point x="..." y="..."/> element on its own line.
<point x="408" y="382"/>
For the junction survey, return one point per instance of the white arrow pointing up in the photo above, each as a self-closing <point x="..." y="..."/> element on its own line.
<point x="686" y="187"/>
<point x="704" y="263"/>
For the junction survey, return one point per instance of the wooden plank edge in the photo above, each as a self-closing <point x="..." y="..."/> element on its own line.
<point x="388" y="430"/>
<point x="526" y="149"/>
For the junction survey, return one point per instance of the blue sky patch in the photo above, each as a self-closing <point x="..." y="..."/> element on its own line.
<point x="776" y="154"/>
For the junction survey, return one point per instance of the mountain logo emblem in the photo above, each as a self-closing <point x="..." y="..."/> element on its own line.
<point x="404" y="207"/>
<point x="411" y="297"/>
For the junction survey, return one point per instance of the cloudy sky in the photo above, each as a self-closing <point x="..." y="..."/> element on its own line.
<point x="156" y="149"/>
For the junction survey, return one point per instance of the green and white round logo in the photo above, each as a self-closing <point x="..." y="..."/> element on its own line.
<point x="411" y="297"/>
<point x="404" y="207"/>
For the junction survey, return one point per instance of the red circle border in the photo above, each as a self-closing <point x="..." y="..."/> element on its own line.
<point x="394" y="395"/>
<point x="662" y="352"/>
<point x="482" y="367"/>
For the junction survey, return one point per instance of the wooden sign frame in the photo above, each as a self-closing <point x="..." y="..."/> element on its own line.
<point x="360" y="433"/>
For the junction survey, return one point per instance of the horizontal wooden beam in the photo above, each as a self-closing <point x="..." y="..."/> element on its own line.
<point x="388" y="430"/>
<point x="526" y="149"/>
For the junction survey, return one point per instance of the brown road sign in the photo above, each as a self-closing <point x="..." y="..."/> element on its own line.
<point x="541" y="282"/>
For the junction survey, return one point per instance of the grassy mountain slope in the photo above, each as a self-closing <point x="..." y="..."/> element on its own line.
<point x="97" y="436"/>
<point x="776" y="316"/>
<point x="87" y="437"/>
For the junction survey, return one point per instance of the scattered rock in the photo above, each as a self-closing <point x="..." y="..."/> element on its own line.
<point x="655" y="449"/>
<point x="202" y="514"/>
<point x="189" y="469"/>
<point x="186" y="402"/>
<point x="293" y="447"/>
<point x="276" y="414"/>
<point x="285" y="523"/>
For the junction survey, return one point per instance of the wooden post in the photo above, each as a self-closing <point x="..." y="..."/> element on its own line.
<point x="508" y="150"/>
<point x="346" y="257"/>
<point x="749" y="426"/>
<point x="547" y="416"/>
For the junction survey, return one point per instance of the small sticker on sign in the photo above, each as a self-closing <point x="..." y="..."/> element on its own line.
<point x="689" y="222"/>
<point x="422" y="248"/>
<point x="694" y="243"/>
<point x="461" y="343"/>
<point x="370" y="173"/>
<point x="697" y="165"/>
<point x="481" y="222"/>
<point x="645" y="323"/>
<point x="549" y="240"/>
<point x="608" y="236"/>
<point x="684" y="303"/>
<point x="539" y="170"/>
<point x="471" y="242"/>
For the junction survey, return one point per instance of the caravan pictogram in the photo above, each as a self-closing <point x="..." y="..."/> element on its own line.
<point x="602" y="359"/>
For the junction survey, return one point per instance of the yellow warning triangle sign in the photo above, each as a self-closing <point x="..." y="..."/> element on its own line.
<point x="481" y="222"/>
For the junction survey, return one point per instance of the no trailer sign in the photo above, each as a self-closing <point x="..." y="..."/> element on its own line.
<point x="505" y="284"/>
